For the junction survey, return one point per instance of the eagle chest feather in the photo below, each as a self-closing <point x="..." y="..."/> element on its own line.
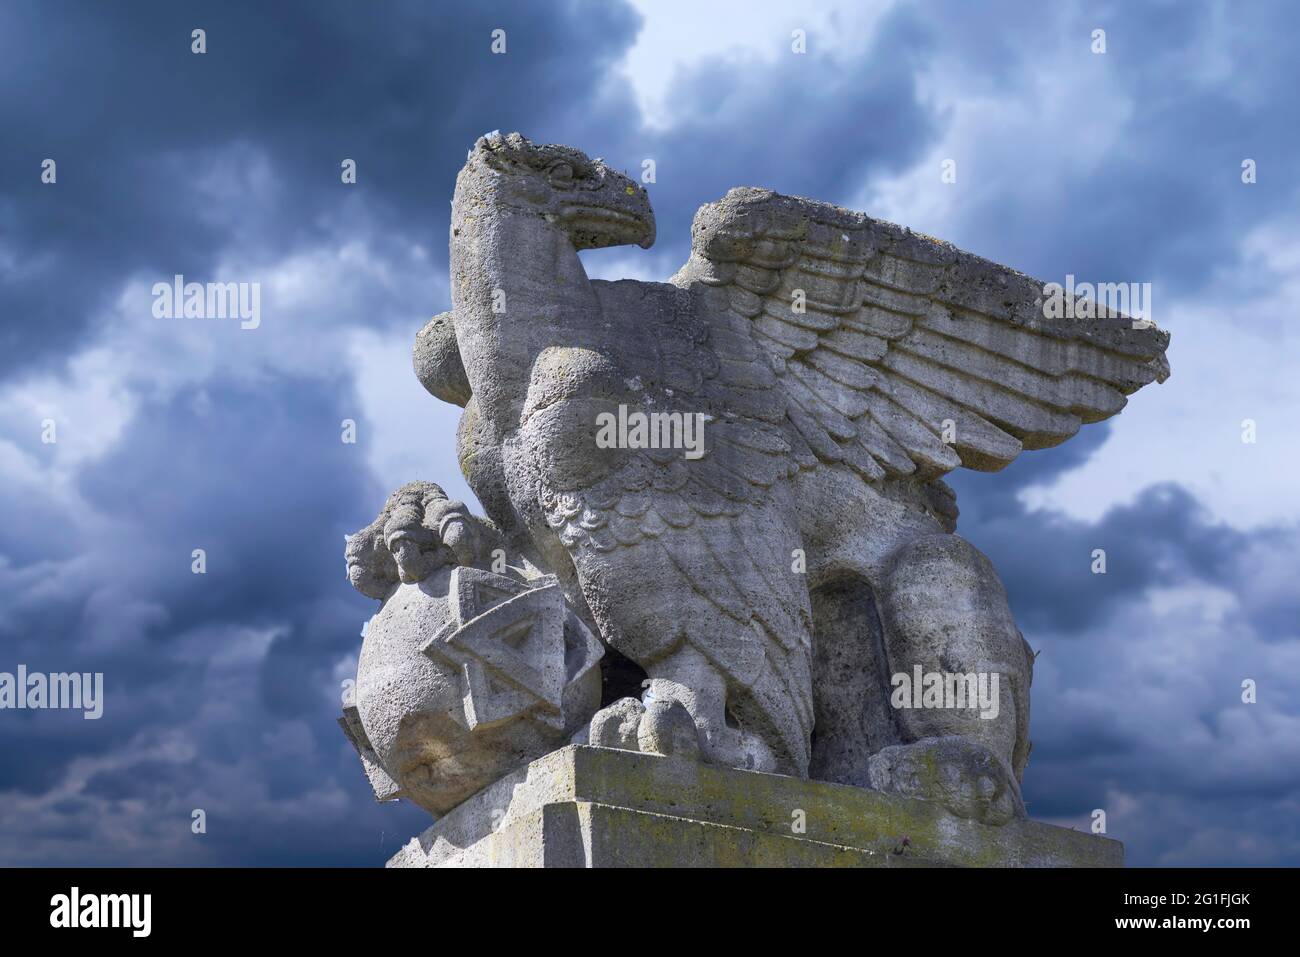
<point x="680" y="418"/>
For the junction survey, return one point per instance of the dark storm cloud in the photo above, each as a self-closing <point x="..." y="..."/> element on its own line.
<point x="116" y="97"/>
<point x="1163" y="538"/>
<point x="1158" y="127"/>
<point x="272" y="550"/>
<point x="274" y="567"/>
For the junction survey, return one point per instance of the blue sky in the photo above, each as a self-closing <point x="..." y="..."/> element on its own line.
<point x="222" y="689"/>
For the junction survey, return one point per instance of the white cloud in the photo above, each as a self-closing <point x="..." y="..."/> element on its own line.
<point x="412" y="435"/>
<point x="681" y="33"/>
<point x="323" y="312"/>
<point x="1233" y="358"/>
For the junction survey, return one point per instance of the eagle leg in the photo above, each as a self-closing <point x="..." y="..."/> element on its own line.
<point x="688" y="677"/>
<point x="949" y="634"/>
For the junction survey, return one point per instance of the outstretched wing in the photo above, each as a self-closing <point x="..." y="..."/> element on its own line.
<point x="900" y="354"/>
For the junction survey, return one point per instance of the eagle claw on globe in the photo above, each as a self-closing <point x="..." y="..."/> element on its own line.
<point x="464" y="672"/>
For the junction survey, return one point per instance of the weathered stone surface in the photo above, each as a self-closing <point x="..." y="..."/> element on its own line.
<point x="732" y="480"/>
<point x="437" y="361"/>
<point x="617" y="726"/>
<point x="667" y="728"/>
<point x="968" y="781"/>
<point x="597" y="807"/>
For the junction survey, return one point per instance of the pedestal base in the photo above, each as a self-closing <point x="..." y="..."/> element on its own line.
<point x="597" y="807"/>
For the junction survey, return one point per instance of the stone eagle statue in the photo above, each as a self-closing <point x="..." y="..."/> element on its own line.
<point x="779" y="583"/>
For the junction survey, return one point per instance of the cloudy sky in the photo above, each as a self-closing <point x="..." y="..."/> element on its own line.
<point x="222" y="689"/>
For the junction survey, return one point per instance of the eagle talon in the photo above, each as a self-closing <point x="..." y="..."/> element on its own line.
<point x="667" y="728"/>
<point x="616" y="725"/>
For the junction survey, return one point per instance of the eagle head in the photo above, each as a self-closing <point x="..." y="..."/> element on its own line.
<point x="595" y="205"/>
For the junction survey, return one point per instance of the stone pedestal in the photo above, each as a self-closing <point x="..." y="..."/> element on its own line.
<point x="597" y="807"/>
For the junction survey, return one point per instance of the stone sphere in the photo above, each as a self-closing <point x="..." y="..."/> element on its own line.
<point x="414" y="710"/>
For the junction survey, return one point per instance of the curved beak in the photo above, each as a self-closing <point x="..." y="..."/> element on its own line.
<point x="615" y="212"/>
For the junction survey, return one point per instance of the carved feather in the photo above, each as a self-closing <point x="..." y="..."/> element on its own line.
<point x="906" y="348"/>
